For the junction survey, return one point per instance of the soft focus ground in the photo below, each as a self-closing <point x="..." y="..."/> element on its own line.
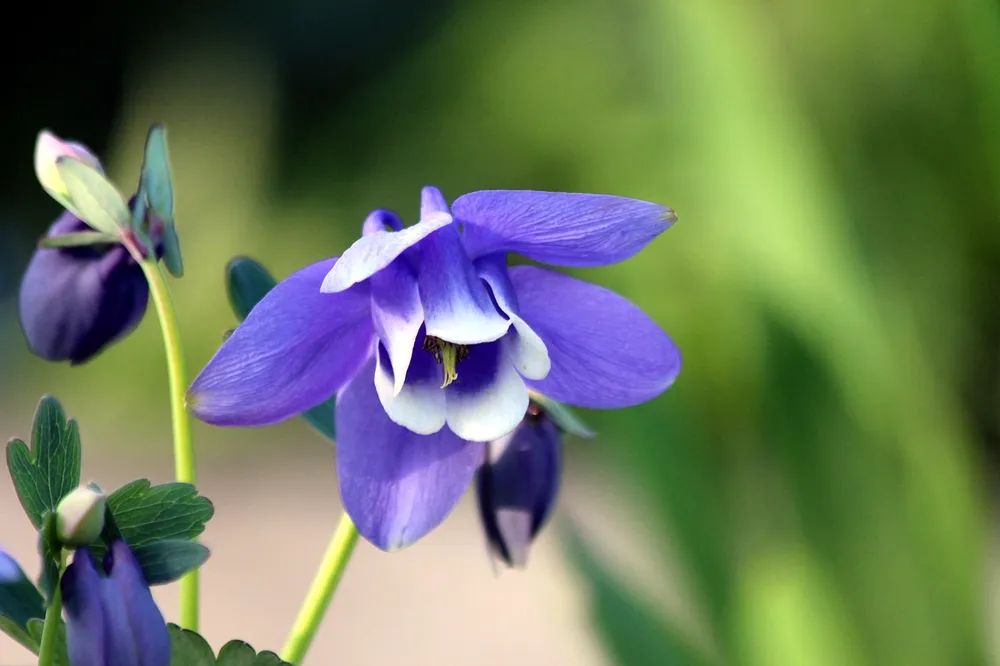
<point x="437" y="603"/>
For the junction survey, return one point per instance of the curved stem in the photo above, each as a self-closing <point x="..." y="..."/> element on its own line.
<point x="317" y="601"/>
<point x="50" y="630"/>
<point x="183" y="446"/>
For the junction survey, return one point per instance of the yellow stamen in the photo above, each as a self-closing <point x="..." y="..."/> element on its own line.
<point x="448" y="354"/>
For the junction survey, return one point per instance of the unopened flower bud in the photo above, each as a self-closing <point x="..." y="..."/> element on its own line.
<point x="80" y="517"/>
<point x="517" y="486"/>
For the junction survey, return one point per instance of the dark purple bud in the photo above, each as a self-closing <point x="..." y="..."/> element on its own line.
<point x="75" y="301"/>
<point x="517" y="486"/>
<point x="111" y="618"/>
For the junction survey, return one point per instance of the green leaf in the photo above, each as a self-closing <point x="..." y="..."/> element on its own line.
<point x="18" y="633"/>
<point x="78" y="239"/>
<point x="563" y="416"/>
<point x="247" y="282"/>
<point x="237" y="653"/>
<point x="20" y="601"/>
<point x="144" y="513"/>
<point x="165" y="561"/>
<point x="157" y="183"/>
<point x="633" y="633"/>
<point x="188" y="648"/>
<point x="61" y="654"/>
<point x="95" y="200"/>
<point x="50" y="469"/>
<point x="50" y="551"/>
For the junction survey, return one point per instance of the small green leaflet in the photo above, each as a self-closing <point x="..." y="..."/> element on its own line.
<point x="166" y="561"/>
<point x="247" y="282"/>
<point x="563" y="416"/>
<point x="18" y="633"/>
<point x="78" y="239"/>
<point x="50" y="551"/>
<point x="50" y="469"/>
<point x="190" y="649"/>
<point x="95" y="200"/>
<point x="20" y="601"/>
<point x="61" y="656"/>
<point x="158" y="186"/>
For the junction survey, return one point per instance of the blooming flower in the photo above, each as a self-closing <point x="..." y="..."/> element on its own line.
<point x="111" y="618"/>
<point x="517" y="485"/>
<point x="75" y="301"/>
<point x="431" y="343"/>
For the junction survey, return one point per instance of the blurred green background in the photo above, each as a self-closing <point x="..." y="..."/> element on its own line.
<point x="819" y="477"/>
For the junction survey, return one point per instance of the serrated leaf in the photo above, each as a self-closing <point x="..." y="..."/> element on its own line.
<point x="633" y="633"/>
<point x="144" y="513"/>
<point x="563" y="416"/>
<point x="50" y="551"/>
<point x="187" y="648"/>
<point x="236" y="653"/>
<point x="95" y="200"/>
<point x="166" y="561"/>
<point x="247" y="282"/>
<point x="18" y="633"/>
<point x="268" y="658"/>
<point x="50" y="469"/>
<point x="20" y="601"/>
<point x="60" y="655"/>
<point x="78" y="239"/>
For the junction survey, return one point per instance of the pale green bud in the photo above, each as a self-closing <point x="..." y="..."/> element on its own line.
<point x="80" y="517"/>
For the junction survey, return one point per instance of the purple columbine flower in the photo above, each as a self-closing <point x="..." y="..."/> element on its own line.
<point x="431" y="342"/>
<point x="111" y="617"/>
<point x="75" y="301"/>
<point x="517" y="485"/>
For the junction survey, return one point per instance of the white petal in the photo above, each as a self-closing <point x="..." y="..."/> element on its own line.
<point x="420" y="405"/>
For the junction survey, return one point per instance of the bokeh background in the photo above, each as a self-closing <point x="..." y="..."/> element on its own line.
<point x="815" y="489"/>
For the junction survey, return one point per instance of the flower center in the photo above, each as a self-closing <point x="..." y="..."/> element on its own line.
<point x="447" y="354"/>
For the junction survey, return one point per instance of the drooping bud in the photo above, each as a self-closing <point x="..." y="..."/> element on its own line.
<point x="517" y="485"/>
<point x="111" y="617"/>
<point x="48" y="149"/>
<point x="80" y="517"/>
<point x="75" y="301"/>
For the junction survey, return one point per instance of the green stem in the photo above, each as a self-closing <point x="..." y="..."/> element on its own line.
<point x="50" y="630"/>
<point x="331" y="569"/>
<point x="183" y="446"/>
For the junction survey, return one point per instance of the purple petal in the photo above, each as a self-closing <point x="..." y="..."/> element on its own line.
<point x="457" y="306"/>
<point x="117" y="628"/>
<point x="75" y="301"/>
<point x="297" y="348"/>
<point x="396" y="485"/>
<point x="397" y="315"/>
<point x="381" y="220"/>
<point x="432" y="203"/>
<point x="10" y="571"/>
<point x="526" y="349"/>
<point x="606" y="353"/>
<point x="420" y="405"/>
<point x="148" y="631"/>
<point x="83" y="611"/>
<point x="372" y="253"/>
<point x="489" y="398"/>
<point x="559" y="228"/>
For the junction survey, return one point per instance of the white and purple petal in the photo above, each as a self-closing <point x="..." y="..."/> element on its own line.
<point x="373" y="252"/>
<point x="397" y="315"/>
<point x="605" y="351"/>
<point x="396" y="485"/>
<point x="457" y="305"/>
<point x="526" y="349"/>
<point x="420" y="405"/>
<point x="559" y="228"/>
<point x="489" y="398"/>
<point x="297" y="348"/>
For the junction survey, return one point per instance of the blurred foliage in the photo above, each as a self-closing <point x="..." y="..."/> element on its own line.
<point x="819" y="465"/>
